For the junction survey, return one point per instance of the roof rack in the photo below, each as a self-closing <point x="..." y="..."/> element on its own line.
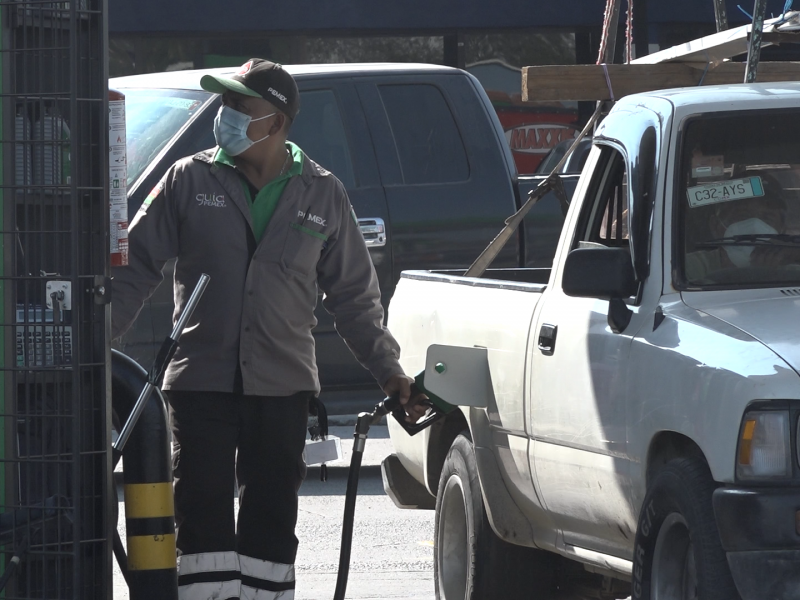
<point x="704" y="61"/>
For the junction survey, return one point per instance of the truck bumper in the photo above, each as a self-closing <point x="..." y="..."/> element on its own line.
<point x="402" y="488"/>
<point x="760" y="532"/>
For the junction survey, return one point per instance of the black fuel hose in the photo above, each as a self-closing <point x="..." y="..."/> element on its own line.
<point x="347" y="523"/>
<point x="365" y="420"/>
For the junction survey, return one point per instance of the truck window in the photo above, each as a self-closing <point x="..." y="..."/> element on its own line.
<point x="429" y="145"/>
<point x="739" y="201"/>
<point x="605" y="221"/>
<point x="319" y="131"/>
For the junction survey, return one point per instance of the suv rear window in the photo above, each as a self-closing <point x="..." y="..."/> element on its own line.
<point x="429" y="145"/>
<point x="319" y="131"/>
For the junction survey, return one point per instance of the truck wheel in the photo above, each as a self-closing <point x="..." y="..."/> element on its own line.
<point x="677" y="553"/>
<point x="470" y="561"/>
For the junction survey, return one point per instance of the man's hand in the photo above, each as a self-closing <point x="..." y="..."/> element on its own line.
<point x="401" y="385"/>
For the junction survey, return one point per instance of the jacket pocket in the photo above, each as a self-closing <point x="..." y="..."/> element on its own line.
<point x="302" y="249"/>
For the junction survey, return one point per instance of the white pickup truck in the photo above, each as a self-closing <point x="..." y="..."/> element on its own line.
<point x="629" y="418"/>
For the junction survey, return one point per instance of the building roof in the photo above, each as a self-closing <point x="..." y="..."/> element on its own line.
<point x="360" y="16"/>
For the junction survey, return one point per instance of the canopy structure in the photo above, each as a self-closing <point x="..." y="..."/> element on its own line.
<point x="704" y="61"/>
<point x="128" y="17"/>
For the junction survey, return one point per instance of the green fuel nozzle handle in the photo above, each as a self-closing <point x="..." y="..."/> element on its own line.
<point x="437" y="408"/>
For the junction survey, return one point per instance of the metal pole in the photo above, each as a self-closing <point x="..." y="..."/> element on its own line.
<point x="164" y="356"/>
<point x="197" y="293"/>
<point x="641" y="25"/>
<point x="757" y="33"/>
<point x="149" y="568"/>
<point x="720" y="15"/>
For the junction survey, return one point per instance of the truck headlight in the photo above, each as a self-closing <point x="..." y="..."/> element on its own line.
<point x="764" y="446"/>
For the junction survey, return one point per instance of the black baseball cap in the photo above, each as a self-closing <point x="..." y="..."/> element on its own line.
<point x="261" y="79"/>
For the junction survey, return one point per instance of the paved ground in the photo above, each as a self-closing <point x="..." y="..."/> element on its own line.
<point x="392" y="556"/>
<point x="392" y="549"/>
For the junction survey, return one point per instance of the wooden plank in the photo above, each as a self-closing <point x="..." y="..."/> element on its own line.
<point x="712" y="48"/>
<point x="724" y="44"/>
<point x="554" y="83"/>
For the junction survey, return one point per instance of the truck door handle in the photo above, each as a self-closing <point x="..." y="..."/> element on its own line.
<point x="374" y="232"/>
<point x="547" y="339"/>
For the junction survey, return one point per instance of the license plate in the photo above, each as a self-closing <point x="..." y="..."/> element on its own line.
<point x="723" y="191"/>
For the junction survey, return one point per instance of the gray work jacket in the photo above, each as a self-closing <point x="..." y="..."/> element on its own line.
<point x="257" y="312"/>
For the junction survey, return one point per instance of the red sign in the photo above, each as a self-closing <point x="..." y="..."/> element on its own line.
<point x="531" y="135"/>
<point x="538" y="138"/>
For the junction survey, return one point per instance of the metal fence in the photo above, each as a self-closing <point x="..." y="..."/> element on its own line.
<point x="55" y="475"/>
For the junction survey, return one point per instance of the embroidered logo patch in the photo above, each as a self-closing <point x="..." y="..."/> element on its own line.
<point x="213" y="200"/>
<point x="152" y="195"/>
<point x="245" y="68"/>
<point x="309" y="218"/>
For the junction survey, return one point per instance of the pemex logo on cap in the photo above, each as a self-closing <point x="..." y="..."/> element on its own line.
<point x="278" y="95"/>
<point x="245" y="68"/>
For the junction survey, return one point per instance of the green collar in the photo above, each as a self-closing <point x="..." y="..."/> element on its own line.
<point x="223" y="158"/>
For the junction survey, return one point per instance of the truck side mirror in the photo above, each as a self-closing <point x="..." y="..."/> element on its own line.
<point x="602" y="273"/>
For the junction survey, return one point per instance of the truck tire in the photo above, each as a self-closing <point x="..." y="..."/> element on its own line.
<point x="677" y="552"/>
<point x="470" y="561"/>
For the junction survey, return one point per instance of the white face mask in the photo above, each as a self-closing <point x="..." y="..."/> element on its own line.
<point x="740" y="255"/>
<point x="230" y="130"/>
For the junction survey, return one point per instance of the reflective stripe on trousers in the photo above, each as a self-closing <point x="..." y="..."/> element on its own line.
<point x="224" y="575"/>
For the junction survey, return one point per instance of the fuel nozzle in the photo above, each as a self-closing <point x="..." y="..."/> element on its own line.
<point x="436" y="408"/>
<point x="368" y="419"/>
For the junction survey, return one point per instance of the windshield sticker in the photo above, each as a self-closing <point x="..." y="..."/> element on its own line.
<point x="707" y="166"/>
<point x="185" y="103"/>
<point x="723" y="191"/>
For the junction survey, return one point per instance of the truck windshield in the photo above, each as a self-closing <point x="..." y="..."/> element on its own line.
<point x="152" y="118"/>
<point x="739" y="199"/>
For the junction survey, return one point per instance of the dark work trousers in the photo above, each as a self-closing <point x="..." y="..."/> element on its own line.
<point x="261" y="440"/>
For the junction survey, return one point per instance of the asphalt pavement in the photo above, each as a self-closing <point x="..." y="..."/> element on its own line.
<point x="392" y="555"/>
